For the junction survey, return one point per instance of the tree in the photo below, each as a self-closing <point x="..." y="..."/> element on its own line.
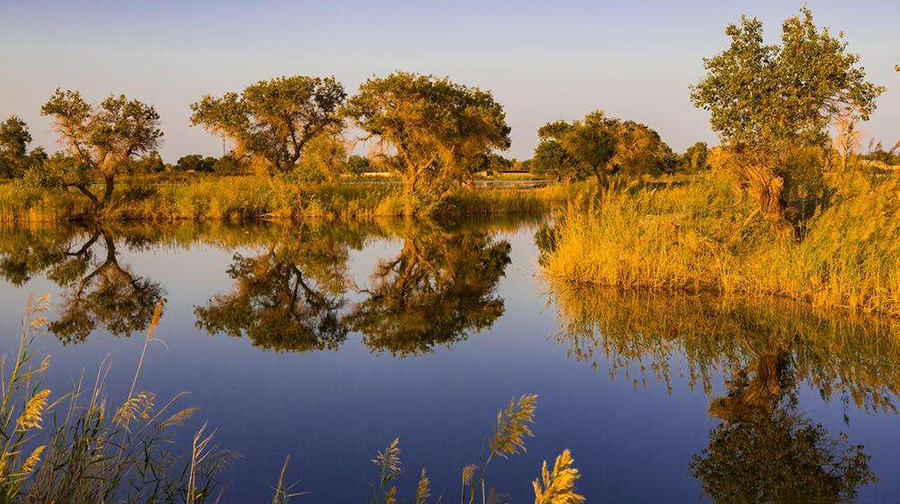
<point x="100" y="142"/>
<point x="14" y="156"/>
<point x="196" y="163"/>
<point x="433" y="130"/>
<point x="765" y="451"/>
<point x="640" y="150"/>
<point x="273" y="120"/>
<point x="493" y="163"/>
<point x="97" y="290"/>
<point x="325" y="157"/>
<point x="150" y="163"/>
<point x="358" y="165"/>
<point x="600" y="146"/>
<point x="551" y="160"/>
<point x="290" y="297"/>
<point x="230" y="164"/>
<point x="765" y="101"/>
<point x="695" y="158"/>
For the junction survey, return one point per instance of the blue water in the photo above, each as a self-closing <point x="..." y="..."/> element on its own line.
<point x="331" y="410"/>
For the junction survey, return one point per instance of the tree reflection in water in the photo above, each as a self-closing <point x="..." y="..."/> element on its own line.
<point x="97" y="289"/>
<point x="441" y="286"/>
<point x="288" y="298"/>
<point x="764" y="449"/>
<point x="293" y="296"/>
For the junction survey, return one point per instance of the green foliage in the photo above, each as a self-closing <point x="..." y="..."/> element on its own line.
<point x="100" y="142"/>
<point x="439" y="288"/>
<point x="599" y="146"/>
<point x="766" y="101"/>
<point x="358" y="165"/>
<point x="96" y="289"/>
<point x="150" y="163"/>
<point x="288" y="298"/>
<point x="324" y="158"/>
<point x="15" y="159"/>
<point x="196" y="163"/>
<point x="494" y="163"/>
<point x="274" y="120"/>
<point x="695" y="158"/>
<point x="230" y="164"/>
<point x="432" y="131"/>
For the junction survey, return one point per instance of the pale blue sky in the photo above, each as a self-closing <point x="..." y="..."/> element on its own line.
<point x="543" y="60"/>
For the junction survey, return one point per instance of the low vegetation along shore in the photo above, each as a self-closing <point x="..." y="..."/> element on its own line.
<point x="706" y="235"/>
<point x="255" y="197"/>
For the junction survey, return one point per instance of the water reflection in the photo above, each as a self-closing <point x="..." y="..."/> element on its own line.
<point x="290" y="297"/>
<point x="291" y="286"/>
<point x="441" y="286"/>
<point x="765" y="448"/>
<point x="97" y="289"/>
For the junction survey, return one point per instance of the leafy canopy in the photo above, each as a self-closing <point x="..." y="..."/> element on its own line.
<point x="274" y="119"/>
<point x="433" y="130"/>
<point x="14" y="156"/>
<point x="757" y="92"/>
<point x="99" y="140"/>
<point x="601" y="146"/>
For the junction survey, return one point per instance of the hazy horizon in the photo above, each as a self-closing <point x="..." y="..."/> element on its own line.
<point x="543" y="62"/>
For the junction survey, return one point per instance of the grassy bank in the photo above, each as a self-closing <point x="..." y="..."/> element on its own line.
<point x="703" y="236"/>
<point x="250" y="197"/>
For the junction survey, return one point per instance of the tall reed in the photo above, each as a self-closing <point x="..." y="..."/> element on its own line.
<point x="703" y="236"/>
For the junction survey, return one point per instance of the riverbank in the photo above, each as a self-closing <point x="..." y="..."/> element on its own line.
<point x="703" y="236"/>
<point x="251" y="197"/>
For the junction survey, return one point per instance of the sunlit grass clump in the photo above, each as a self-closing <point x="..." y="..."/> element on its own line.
<point x="703" y="236"/>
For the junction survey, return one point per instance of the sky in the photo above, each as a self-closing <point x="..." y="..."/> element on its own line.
<point x="543" y="60"/>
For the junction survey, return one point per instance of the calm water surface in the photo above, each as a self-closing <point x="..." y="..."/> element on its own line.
<point x="325" y="341"/>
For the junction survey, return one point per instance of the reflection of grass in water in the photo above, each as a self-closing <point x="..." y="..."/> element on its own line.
<point x="835" y="353"/>
<point x="763" y="449"/>
<point x="92" y="452"/>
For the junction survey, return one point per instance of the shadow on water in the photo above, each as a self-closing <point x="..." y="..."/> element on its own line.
<point x="764" y="447"/>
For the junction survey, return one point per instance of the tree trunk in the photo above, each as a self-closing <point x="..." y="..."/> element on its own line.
<point x="771" y="200"/>
<point x="109" y="181"/>
<point x="602" y="179"/>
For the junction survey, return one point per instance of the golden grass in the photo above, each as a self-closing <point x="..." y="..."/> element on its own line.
<point x="254" y="197"/>
<point x="702" y="236"/>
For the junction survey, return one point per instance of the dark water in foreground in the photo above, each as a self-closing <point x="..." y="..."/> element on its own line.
<point x="326" y="341"/>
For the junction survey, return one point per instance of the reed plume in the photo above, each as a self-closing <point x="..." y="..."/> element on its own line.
<point x="423" y="490"/>
<point x="512" y="426"/>
<point x="558" y="485"/>
<point x="34" y="409"/>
